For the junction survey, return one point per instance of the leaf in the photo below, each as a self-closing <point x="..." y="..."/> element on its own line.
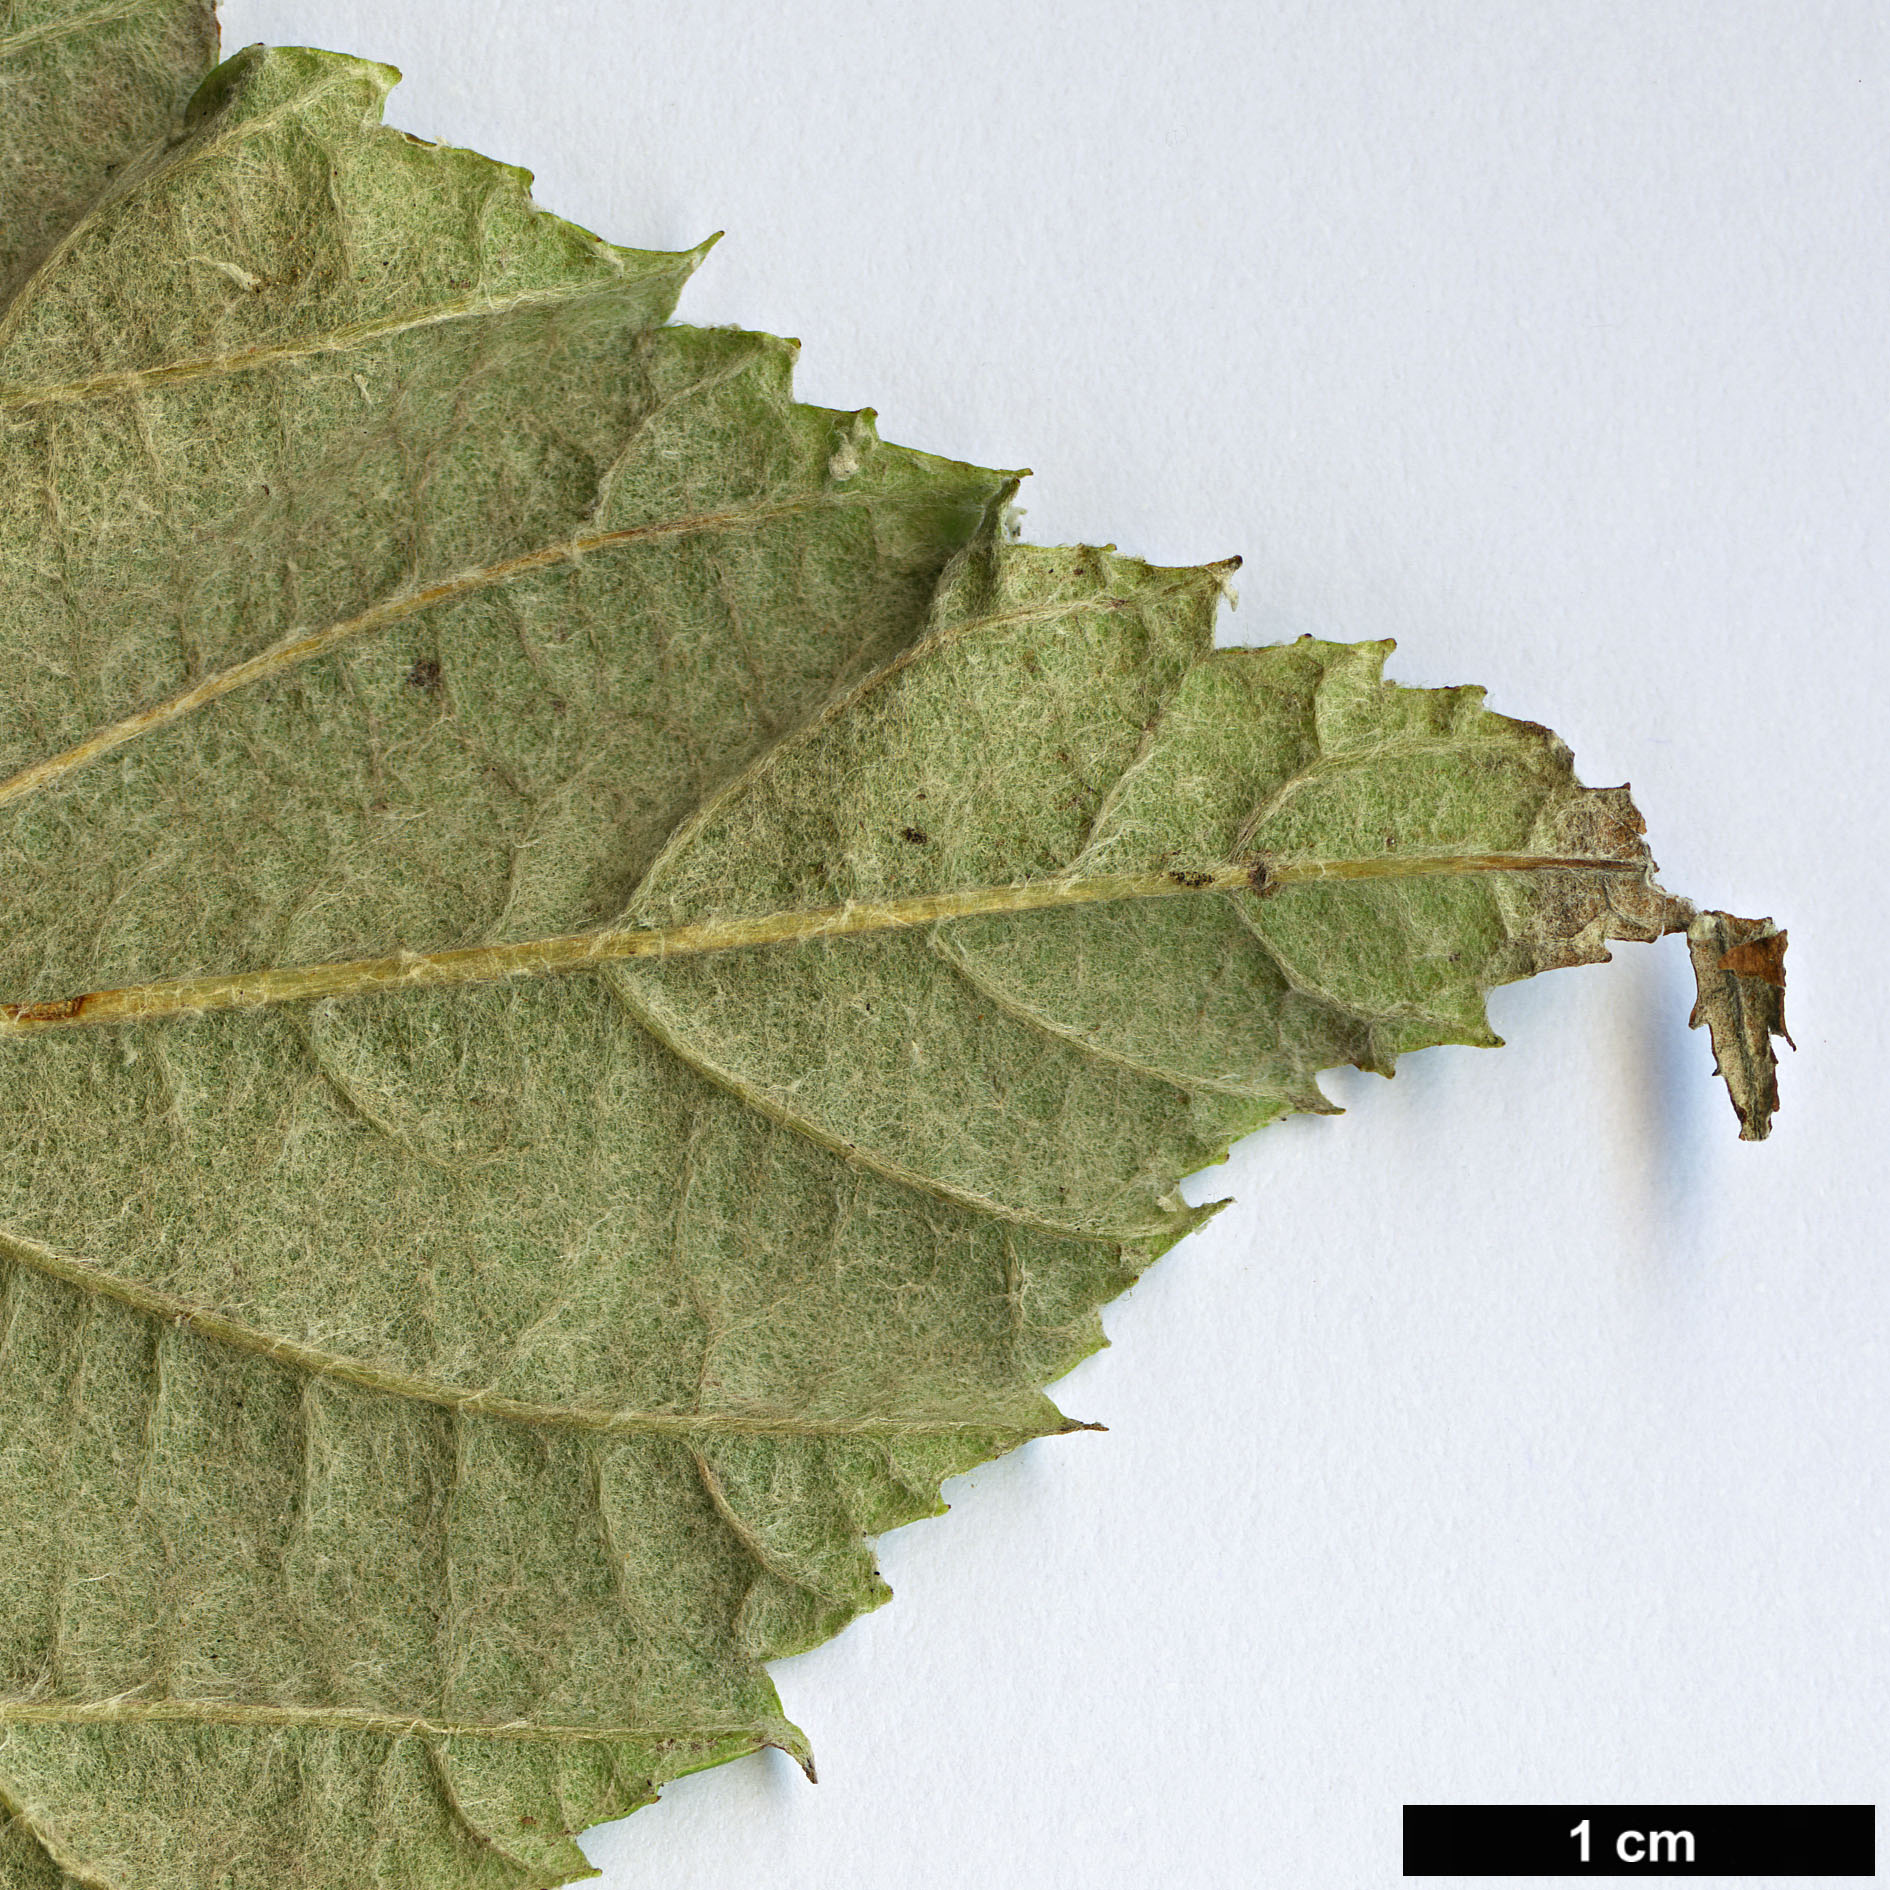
<point x="86" y="86"/>
<point x="605" y="975"/>
<point x="1739" y="966"/>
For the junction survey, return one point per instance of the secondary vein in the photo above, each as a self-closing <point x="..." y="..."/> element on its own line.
<point x="357" y="1719"/>
<point x="337" y="341"/>
<point x="72" y="25"/>
<point x="471" y="1401"/>
<point x="308" y="645"/>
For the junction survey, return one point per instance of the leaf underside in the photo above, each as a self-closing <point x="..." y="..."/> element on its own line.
<point x="424" y="1407"/>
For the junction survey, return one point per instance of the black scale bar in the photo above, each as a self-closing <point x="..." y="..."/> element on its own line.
<point x="1640" y="1841"/>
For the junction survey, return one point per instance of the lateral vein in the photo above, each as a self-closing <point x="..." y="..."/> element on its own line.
<point x="55" y="1849"/>
<point x="308" y="645"/>
<point x="68" y="28"/>
<point x="470" y="1402"/>
<point x="338" y="341"/>
<point x="362" y="1719"/>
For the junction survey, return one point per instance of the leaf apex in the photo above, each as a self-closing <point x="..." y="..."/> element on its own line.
<point x="1739" y="970"/>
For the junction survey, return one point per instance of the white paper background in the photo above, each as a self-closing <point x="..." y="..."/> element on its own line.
<point x="1520" y="1436"/>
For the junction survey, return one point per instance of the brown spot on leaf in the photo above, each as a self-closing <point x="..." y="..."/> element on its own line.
<point x="1758" y="958"/>
<point x="425" y="674"/>
<point x="917" y="835"/>
<point x="1193" y="881"/>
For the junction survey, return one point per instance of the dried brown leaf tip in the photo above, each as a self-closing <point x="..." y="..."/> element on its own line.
<point x="1739" y="965"/>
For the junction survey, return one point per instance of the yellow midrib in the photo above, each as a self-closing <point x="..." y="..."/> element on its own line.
<point x="584" y="951"/>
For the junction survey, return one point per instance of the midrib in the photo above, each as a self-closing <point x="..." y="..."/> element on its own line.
<point x="586" y="951"/>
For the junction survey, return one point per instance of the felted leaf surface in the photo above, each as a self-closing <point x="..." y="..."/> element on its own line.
<point x="86" y="87"/>
<point x="605" y="976"/>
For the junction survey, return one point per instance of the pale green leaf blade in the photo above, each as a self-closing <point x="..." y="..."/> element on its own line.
<point x="87" y="87"/>
<point x="25" y="1863"/>
<point x="1373" y="859"/>
<point x="711" y="963"/>
<point x="626" y="428"/>
<point x="497" y="763"/>
<point x="214" y="1546"/>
